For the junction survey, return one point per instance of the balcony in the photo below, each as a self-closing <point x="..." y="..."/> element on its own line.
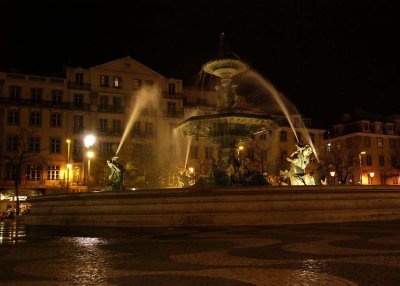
<point x="36" y="78"/>
<point x="109" y="132"/>
<point x="176" y="95"/>
<point x="44" y="103"/>
<point x="110" y="108"/>
<point x="80" y="86"/>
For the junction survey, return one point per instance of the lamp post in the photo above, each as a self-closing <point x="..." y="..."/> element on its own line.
<point x="332" y="173"/>
<point x="361" y="171"/>
<point x="90" y="155"/>
<point x="371" y="175"/>
<point x="68" y="164"/>
<point x="89" y="142"/>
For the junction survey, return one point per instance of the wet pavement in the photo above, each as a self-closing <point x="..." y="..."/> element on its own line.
<point x="328" y="254"/>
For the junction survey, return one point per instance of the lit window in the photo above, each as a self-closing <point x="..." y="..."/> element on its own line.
<point x="34" y="173"/>
<point x="379" y="142"/>
<point x="117" y="81"/>
<point x="53" y="172"/>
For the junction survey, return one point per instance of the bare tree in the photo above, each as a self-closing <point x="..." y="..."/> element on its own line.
<point x="392" y="165"/>
<point x="341" y="162"/>
<point x="18" y="153"/>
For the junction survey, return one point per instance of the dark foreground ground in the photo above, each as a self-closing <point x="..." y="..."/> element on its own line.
<point x="329" y="254"/>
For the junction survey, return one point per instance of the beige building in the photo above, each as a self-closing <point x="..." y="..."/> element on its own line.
<point x="365" y="150"/>
<point x="53" y="115"/>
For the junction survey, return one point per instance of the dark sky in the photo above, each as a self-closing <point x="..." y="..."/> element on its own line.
<point x="326" y="56"/>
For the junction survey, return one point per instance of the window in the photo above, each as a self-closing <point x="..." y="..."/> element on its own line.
<point x="194" y="152"/>
<point x="36" y="94"/>
<point x="368" y="159"/>
<point x="117" y="104"/>
<point x="103" y="102"/>
<point x="33" y="172"/>
<point x="12" y="143"/>
<point x="136" y="83"/>
<point x="148" y="150"/>
<point x="395" y="180"/>
<point x="209" y="152"/>
<point x="148" y="129"/>
<point x="34" y="144"/>
<point x="263" y="137"/>
<point x="56" y="96"/>
<point x="393" y="162"/>
<point x="390" y="128"/>
<point x="106" y="148"/>
<point x="55" y="120"/>
<point x="171" y="88"/>
<point x="171" y="108"/>
<point x="55" y="145"/>
<point x="35" y="118"/>
<point x="15" y="93"/>
<point x="283" y="136"/>
<point x="136" y="128"/>
<point x="312" y="137"/>
<point x="78" y="100"/>
<point x="78" y="122"/>
<point x="338" y="145"/>
<point x="379" y="142"/>
<point x="367" y="141"/>
<point x="366" y="126"/>
<point x="392" y="143"/>
<point x="13" y="117"/>
<point x="79" y="78"/>
<point x="116" y="126"/>
<point x="149" y="82"/>
<point x="53" y="172"/>
<point x="77" y="150"/>
<point x="104" y="80"/>
<point x="381" y="161"/>
<point x="349" y="143"/>
<point x="103" y="125"/>
<point x="117" y="81"/>
<point x="350" y="160"/>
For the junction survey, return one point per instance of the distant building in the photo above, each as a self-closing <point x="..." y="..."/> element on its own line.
<point x="366" y="149"/>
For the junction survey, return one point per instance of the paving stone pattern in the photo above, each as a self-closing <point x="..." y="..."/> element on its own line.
<point x="328" y="254"/>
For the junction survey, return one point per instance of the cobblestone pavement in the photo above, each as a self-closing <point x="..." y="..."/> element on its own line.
<point x="328" y="254"/>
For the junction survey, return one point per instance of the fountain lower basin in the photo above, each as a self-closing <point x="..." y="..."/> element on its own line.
<point x="218" y="207"/>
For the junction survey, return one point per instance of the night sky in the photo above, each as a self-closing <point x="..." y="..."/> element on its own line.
<point x="328" y="57"/>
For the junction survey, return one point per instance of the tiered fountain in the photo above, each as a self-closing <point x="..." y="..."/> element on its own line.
<point x="203" y="206"/>
<point x="229" y="126"/>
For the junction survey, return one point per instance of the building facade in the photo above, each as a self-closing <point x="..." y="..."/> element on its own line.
<point x="364" y="150"/>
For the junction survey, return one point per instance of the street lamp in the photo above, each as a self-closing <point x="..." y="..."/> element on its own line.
<point x="332" y="173"/>
<point x="90" y="155"/>
<point x="68" y="164"/>
<point x="89" y="141"/>
<point x="372" y="174"/>
<point x="359" y="157"/>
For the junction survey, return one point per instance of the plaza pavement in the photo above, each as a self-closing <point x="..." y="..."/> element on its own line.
<point x="327" y="254"/>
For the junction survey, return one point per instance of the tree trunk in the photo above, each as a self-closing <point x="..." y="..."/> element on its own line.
<point x="16" y="190"/>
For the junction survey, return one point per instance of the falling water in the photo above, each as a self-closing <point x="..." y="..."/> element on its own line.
<point x="146" y="96"/>
<point x="189" y="142"/>
<point x="280" y="100"/>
